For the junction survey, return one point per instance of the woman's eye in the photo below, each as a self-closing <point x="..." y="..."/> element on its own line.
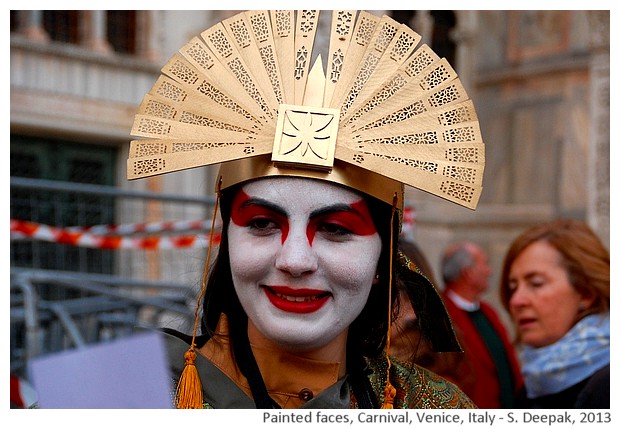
<point x="512" y="285"/>
<point x="537" y="282"/>
<point x="262" y="224"/>
<point x="335" y="229"/>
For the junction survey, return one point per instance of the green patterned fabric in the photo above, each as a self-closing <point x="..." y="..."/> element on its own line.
<point x="416" y="387"/>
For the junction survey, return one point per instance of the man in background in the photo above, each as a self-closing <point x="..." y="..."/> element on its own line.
<point x="489" y="371"/>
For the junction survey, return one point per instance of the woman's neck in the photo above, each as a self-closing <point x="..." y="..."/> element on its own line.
<point x="334" y="351"/>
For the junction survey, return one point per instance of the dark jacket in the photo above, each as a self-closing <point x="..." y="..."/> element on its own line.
<point x="593" y="392"/>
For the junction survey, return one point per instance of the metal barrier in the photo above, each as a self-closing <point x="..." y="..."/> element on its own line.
<point x="112" y="294"/>
<point x="108" y="307"/>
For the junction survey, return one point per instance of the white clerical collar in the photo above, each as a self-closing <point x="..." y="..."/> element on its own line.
<point x="461" y="302"/>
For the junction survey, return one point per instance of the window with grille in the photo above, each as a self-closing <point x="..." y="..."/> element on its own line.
<point x="62" y="25"/>
<point x="14" y="20"/>
<point x="121" y="30"/>
<point x="67" y="162"/>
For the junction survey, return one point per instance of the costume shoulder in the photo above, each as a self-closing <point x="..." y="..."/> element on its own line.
<point x="416" y="387"/>
<point x="177" y="343"/>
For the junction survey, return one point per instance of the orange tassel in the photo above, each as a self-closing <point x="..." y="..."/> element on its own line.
<point x="189" y="389"/>
<point x="389" y="394"/>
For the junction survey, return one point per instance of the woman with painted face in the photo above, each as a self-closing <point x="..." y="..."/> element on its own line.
<point x="555" y="284"/>
<point x="296" y="308"/>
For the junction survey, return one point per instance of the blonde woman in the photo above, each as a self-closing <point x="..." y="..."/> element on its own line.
<point x="555" y="284"/>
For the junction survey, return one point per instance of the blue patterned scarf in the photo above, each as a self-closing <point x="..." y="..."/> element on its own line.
<point x="573" y="358"/>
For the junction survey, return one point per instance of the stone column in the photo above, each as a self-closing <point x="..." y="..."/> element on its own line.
<point x="598" y="207"/>
<point x="148" y="44"/>
<point x="464" y="37"/>
<point x="422" y="23"/>
<point x="94" y="31"/>
<point x="31" y="25"/>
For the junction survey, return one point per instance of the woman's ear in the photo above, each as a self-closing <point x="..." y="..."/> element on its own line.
<point x="585" y="302"/>
<point x="375" y="281"/>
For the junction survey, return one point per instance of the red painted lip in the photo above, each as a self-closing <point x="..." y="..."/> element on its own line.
<point x="294" y="300"/>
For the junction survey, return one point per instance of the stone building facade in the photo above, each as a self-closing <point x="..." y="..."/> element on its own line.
<point x="539" y="79"/>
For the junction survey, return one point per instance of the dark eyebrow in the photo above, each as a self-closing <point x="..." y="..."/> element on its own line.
<point x="335" y="208"/>
<point x="528" y="275"/>
<point x="535" y="273"/>
<point x="255" y="201"/>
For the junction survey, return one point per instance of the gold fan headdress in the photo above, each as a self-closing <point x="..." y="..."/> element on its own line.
<point x="384" y="114"/>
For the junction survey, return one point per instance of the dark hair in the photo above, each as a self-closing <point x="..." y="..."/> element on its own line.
<point x="367" y="334"/>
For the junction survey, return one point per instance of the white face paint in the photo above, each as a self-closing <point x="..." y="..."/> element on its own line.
<point x="303" y="256"/>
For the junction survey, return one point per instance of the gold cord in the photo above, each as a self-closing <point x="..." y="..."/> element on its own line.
<point x="189" y="390"/>
<point x="205" y="273"/>
<point x="390" y="391"/>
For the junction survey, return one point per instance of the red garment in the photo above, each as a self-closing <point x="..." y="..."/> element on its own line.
<point x="475" y="372"/>
<point x="16" y="397"/>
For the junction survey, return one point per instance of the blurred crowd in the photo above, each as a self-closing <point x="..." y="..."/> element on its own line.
<point x="554" y="285"/>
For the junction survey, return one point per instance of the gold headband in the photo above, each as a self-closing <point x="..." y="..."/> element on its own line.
<point x="382" y="116"/>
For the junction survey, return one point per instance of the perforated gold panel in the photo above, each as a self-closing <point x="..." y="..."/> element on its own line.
<point x="245" y="89"/>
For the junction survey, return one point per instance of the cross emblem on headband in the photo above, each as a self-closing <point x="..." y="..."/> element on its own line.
<point x="306" y="135"/>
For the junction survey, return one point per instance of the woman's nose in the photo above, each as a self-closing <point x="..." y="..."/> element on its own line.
<point x="519" y="297"/>
<point x="296" y="255"/>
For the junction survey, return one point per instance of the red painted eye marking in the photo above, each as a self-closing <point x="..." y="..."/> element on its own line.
<point x="355" y="218"/>
<point x="245" y="210"/>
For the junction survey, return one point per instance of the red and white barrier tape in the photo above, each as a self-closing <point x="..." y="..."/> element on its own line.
<point x="23" y="394"/>
<point x="151" y="228"/>
<point x="113" y="236"/>
<point x="409" y="221"/>
<point x="22" y="229"/>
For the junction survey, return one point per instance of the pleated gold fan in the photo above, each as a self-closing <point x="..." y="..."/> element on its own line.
<point x="244" y="90"/>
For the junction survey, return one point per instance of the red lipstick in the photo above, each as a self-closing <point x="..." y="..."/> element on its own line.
<point x="295" y="300"/>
